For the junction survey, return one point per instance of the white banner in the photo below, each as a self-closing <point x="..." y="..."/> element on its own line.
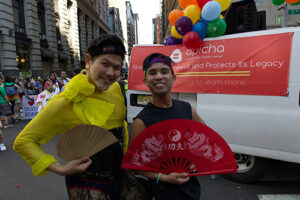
<point x="29" y="107"/>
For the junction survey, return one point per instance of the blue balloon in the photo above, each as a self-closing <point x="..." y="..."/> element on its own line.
<point x="203" y="20"/>
<point x="211" y="10"/>
<point x="200" y="28"/>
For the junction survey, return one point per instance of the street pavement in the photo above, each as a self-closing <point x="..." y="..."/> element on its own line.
<point x="16" y="179"/>
<point x="18" y="183"/>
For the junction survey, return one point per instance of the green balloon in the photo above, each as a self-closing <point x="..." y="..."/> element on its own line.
<point x="278" y="2"/>
<point x="295" y="3"/>
<point x="216" y="28"/>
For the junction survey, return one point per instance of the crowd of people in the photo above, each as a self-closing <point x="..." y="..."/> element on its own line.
<point x="13" y="89"/>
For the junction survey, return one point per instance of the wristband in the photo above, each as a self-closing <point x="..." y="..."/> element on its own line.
<point x="158" y="177"/>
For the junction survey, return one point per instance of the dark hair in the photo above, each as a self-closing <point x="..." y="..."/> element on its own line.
<point x="30" y="85"/>
<point x="157" y="57"/>
<point x="106" y="44"/>
<point x="7" y="79"/>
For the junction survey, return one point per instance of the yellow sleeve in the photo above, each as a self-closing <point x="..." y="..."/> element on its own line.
<point x="57" y="117"/>
<point x="125" y="137"/>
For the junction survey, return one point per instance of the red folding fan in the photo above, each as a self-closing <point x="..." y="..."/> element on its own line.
<point x="180" y="145"/>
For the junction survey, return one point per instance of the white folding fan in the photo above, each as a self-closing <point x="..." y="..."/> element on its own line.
<point x="83" y="140"/>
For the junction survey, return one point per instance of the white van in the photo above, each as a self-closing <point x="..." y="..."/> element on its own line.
<point x="255" y="126"/>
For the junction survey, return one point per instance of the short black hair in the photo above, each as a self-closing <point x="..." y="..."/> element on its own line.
<point x="157" y="57"/>
<point x="106" y="44"/>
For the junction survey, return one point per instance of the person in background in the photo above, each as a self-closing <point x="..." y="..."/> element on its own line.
<point x="56" y="82"/>
<point x="28" y="91"/>
<point x="2" y="146"/>
<point x="38" y="86"/>
<point x="5" y="104"/>
<point x="159" y="78"/>
<point x="12" y="91"/>
<point x="64" y="79"/>
<point x="43" y="98"/>
<point x="18" y="102"/>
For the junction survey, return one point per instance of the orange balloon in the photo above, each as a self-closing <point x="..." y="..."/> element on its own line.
<point x="292" y="1"/>
<point x="174" y="15"/>
<point x="186" y="3"/>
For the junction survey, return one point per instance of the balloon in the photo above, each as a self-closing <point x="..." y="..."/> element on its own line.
<point x="191" y="40"/>
<point x="175" y="34"/>
<point x="200" y="28"/>
<point x="183" y="25"/>
<point x="292" y="1"/>
<point x="192" y="12"/>
<point x="296" y="3"/>
<point x="186" y="3"/>
<point x="224" y="4"/>
<point x="277" y="2"/>
<point x="201" y="3"/>
<point x="170" y="40"/>
<point x="216" y="28"/>
<point x="211" y="11"/>
<point x="203" y="20"/>
<point x="221" y="16"/>
<point x="174" y="15"/>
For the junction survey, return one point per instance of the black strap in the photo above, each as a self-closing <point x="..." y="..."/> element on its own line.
<point x="123" y="92"/>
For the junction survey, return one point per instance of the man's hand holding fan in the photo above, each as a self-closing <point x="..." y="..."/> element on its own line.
<point x="77" y="145"/>
<point x="180" y="146"/>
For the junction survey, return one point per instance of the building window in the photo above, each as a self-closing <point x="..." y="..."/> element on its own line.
<point x="69" y="4"/>
<point x="58" y="37"/>
<point x="41" y="19"/>
<point x="86" y="30"/>
<point x="92" y="30"/>
<point x="19" y="19"/>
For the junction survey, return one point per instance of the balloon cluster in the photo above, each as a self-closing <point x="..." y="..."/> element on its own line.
<point x="198" y="19"/>
<point x="279" y="2"/>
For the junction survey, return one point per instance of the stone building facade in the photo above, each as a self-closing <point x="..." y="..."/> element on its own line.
<point x="121" y="6"/>
<point x="156" y="22"/>
<point x="131" y="34"/>
<point x="115" y="22"/>
<point x="40" y="36"/>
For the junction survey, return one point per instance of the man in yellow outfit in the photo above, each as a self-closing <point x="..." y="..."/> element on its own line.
<point x="96" y="99"/>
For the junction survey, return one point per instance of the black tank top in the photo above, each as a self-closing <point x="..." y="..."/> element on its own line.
<point x="152" y="114"/>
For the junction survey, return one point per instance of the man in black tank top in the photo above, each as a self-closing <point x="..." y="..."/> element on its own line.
<point x="159" y="78"/>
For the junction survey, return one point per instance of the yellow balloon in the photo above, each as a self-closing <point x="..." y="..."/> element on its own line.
<point x="224" y="4"/>
<point x="192" y="12"/>
<point x="221" y="16"/>
<point x="175" y="34"/>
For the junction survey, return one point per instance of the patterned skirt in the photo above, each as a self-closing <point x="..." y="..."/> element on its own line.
<point x="102" y="179"/>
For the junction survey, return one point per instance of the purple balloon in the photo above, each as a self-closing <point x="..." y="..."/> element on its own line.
<point x="183" y="25"/>
<point x="170" y="40"/>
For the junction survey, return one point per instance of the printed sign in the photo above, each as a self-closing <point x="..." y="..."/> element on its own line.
<point x="29" y="107"/>
<point x="294" y="12"/>
<point x="257" y="65"/>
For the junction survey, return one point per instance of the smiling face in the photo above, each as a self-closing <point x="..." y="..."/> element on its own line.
<point x="159" y="78"/>
<point x="103" y="70"/>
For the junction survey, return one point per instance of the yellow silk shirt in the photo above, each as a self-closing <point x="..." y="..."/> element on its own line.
<point x="77" y="104"/>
